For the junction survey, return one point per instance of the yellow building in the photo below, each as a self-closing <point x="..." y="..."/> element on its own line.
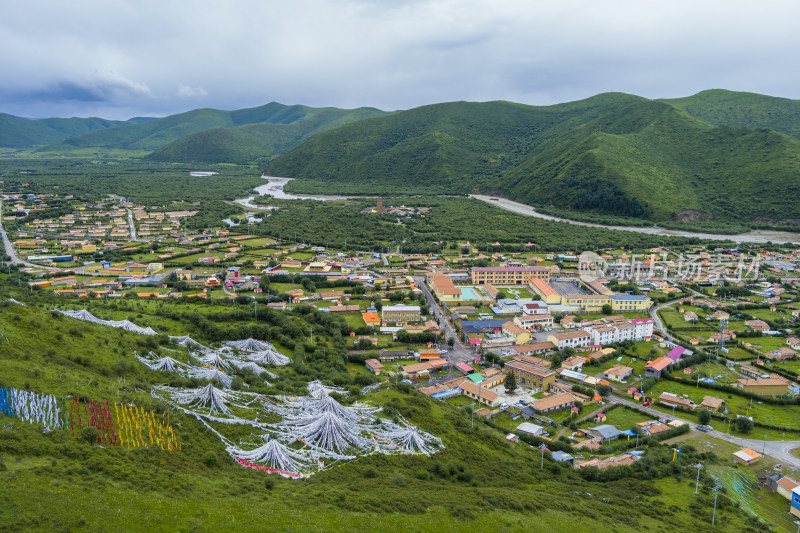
<point x="522" y="336"/>
<point x="589" y="303"/>
<point x="531" y="376"/>
<point x="442" y="286"/>
<point x="630" y="302"/>
<point x="509" y="275"/>
<point x="764" y="386"/>
<point x="547" y="293"/>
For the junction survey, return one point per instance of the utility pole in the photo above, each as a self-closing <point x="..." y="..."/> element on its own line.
<point x="716" y="489"/>
<point x="697" y="485"/>
<point x="312" y="336"/>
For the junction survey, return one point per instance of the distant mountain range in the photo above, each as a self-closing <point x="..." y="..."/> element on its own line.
<point x="718" y="154"/>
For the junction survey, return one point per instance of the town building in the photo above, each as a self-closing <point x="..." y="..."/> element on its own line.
<point x="509" y="275"/>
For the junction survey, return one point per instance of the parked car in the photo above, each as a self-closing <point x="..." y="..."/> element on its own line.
<point x="704" y="428"/>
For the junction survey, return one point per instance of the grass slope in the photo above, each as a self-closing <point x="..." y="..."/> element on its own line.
<point x="57" y="481"/>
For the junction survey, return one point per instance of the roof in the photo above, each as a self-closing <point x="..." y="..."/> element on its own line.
<point x="531" y="369"/>
<point x="711" y="401"/>
<point x="769" y="382"/>
<point x="543" y="287"/>
<point x="537" y="347"/>
<point x="391" y="308"/>
<point x="629" y="297"/>
<point x="486" y="394"/>
<point x="618" y="370"/>
<point x="551" y="402"/>
<point x="571" y="335"/>
<point x="606" y="431"/>
<point x="788" y="483"/>
<point x="527" y="427"/>
<point x="676" y="353"/>
<point x="747" y="455"/>
<point x="510" y="269"/>
<point x="660" y="364"/>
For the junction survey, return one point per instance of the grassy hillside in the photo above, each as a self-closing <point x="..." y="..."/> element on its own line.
<point x="155" y="134"/>
<point x="261" y="141"/>
<point x="481" y="481"/>
<point x="613" y="153"/>
<point x="731" y="108"/>
<point x="17" y="132"/>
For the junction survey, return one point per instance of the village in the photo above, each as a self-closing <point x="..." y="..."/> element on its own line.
<point x="586" y="349"/>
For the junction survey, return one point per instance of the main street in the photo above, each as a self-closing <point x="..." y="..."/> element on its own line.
<point x="459" y="353"/>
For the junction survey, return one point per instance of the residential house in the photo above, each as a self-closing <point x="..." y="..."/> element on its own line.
<point x="781" y="354"/>
<point x="655" y="368"/>
<point x="673" y="400"/>
<point x="484" y="396"/>
<point x="530" y="429"/>
<point x="764" y="386"/>
<point x="618" y="373"/>
<point x="554" y="403"/>
<point x="604" y="433"/>
<point x="793" y="342"/>
<point x="711" y="403"/>
<point x="522" y="336"/>
<point x="374" y="366"/>
<point x="570" y="339"/>
<point x="536" y="348"/>
<point x="757" y="325"/>
<point x="392" y="355"/>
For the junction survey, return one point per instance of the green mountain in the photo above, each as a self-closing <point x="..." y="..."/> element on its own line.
<point x="156" y="134"/>
<point x="730" y="108"/>
<point x="613" y="154"/>
<point x="18" y="132"/>
<point x="260" y="141"/>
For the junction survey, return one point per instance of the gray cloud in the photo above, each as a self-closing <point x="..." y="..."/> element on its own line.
<point x="123" y="58"/>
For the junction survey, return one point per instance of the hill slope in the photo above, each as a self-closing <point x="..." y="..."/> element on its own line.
<point x="18" y="132"/>
<point x="730" y="108"/>
<point x="260" y="141"/>
<point x="613" y="153"/>
<point x="477" y="482"/>
<point x="156" y="134"/>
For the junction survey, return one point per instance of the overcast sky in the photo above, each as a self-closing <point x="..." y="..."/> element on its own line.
<point x="123" y="58"/>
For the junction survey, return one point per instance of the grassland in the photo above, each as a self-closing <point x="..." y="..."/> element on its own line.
<point x="479" y="481"/>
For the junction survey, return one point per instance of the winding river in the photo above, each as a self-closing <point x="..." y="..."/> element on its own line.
<point x="274" y="187"/>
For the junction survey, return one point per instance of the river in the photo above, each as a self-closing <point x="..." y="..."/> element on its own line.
<point x="274" y="187"/>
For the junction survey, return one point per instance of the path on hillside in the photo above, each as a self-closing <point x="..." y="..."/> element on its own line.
<point x="779" y="450"/>
<point x="130" y="222"/>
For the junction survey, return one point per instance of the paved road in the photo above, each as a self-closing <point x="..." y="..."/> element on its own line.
<point x="10" y="249"/>
<point x="660" y="325"/>
<point x="459" y="353"/>
<point x="776" y="449"/>
<point x="130" y="222"/>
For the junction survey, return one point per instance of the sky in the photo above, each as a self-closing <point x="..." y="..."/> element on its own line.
<point x="119" y="59"/>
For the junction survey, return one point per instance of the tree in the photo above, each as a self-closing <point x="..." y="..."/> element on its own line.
<point x="744" y="424"/>
<point x="450" y="341"/>
<point x="603" y="390"/>
<point x="704" y="417"/>
<point x="607" y="310"/>
<point x="500" y="295"/>
<point x="510" y="382"/>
